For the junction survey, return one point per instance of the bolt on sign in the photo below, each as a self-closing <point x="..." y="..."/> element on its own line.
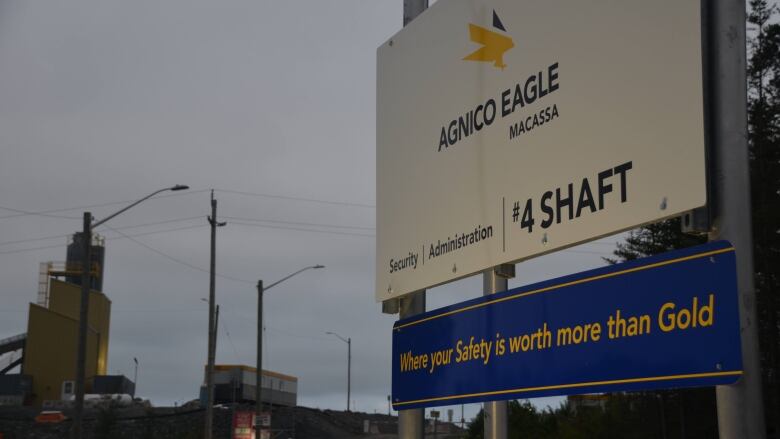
<point x="506" y="130"/>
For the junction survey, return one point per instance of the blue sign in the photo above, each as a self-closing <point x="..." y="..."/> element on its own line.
<point x="660" y="322"/>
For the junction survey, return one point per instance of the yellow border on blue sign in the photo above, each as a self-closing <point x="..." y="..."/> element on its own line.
<point x="575" y="385"/>
<point x="567" y="284"/>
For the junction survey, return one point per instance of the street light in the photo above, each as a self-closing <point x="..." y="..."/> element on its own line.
<point x="135" y="376"/>
<point x="259" y="371"/>
<point x="86" y="242"/>
<point x="348" y="341"/>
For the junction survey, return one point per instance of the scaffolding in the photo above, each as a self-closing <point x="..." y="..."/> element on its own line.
<point x="51" y="269"/>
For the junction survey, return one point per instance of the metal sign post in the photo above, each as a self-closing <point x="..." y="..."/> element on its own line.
<point x="495" y="281"/>
<point x="411" y="423"/>
<point x="740" y="406"/>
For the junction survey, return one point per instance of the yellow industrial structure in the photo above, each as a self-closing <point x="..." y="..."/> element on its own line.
<point x="50" y="349"/>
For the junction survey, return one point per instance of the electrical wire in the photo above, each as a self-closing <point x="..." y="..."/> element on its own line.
<point x="235" y="351"/>
<point x="157" y="223"/>
<point x="294" y="335"/>
<point x="178" y="261"/>
<point x="333" y="232"/>
<point x="579" y="251"/>
<point x="43" y="238"/>
<point x="21" y="250"/>
<point x="299" y="229"/>
<point x="259" y="220"/>
<point x="20" y="212"/>
<point x="136" y="226"/>
<point x="285" y="197"/>
<point x="110" y="203"/>
<point x="155" y="232"/>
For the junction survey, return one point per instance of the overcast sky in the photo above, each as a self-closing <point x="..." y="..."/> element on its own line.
<point x="272" y="104"/>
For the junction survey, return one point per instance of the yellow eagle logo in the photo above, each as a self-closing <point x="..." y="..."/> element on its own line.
<point x="494" y="44"/>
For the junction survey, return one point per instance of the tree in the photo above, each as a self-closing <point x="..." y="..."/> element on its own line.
<point x="654" y="239"/>
<point x="764" y="142"/>
<point x="524" y="422"/>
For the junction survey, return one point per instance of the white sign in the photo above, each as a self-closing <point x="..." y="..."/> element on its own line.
<point x="510" y="129"/>
<point x="264" y="420"/>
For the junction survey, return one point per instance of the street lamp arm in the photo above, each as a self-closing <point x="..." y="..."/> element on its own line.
<point x="178" y="187"/>
<point x="259" y="365"/>
<point x="348" y="341"/>
<point x="340" y="337"/>
<point x="291" y="275"/>
<point x="81" y="341"/>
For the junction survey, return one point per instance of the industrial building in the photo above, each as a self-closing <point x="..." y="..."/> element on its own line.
<point x="47" y="351"/>
<point x="236" y="383"/>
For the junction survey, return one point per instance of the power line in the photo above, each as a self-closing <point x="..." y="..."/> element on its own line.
<point x="20" y="212"/>
<point x="110" y="203"/>
<point x="157" y="223"/>
<point x="21" y="250"/>
<point x="235" y="351"/>
<point x="155" y="232"/>
<point x="333" y="232"/>
<point x="286" y="197"/>
<point x="298" y="229"/>
<point x="136" y="226"/>
<point x="243" y="221"/>
<point x="336" y="226"/>
<point x="294" y="335"/>
<point x="23" y="241"/>
<point x="580" y="251"/>
<point x="178" y="261"/>
<point x="51" y="212"/>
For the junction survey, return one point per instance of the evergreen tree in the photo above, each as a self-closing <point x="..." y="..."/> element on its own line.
<point x="764" y="143"/>
<point x="654" y="239"/>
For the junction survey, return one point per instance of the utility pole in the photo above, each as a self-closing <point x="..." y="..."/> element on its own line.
<point x="261" y="289"/>
<point x="135" y="376"/>
<point x="259" y="365"/>
<point x="349" y="369"/>
<point x="86" y="281"/>
<point x="496" y="280"/>
<point x="740" y="406"/>
<point x="86" y="256"/>
<point x="413" y="8"/>
<point x="216" y="332"/>
<point x="348" y="341"/>
<point x="212" y="321"/>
